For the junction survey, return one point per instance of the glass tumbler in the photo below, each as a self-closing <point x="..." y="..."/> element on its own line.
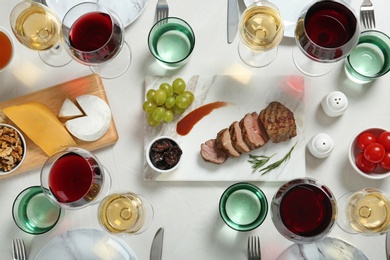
<point x="243" y="206"/>
<point x="171" y="42"/>
<point x="33" y="212"/>
<point x="370" y="59"/>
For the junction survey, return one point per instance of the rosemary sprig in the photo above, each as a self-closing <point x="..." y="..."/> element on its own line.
<point x="258" y="161"/>
<point x="271" y="166"/>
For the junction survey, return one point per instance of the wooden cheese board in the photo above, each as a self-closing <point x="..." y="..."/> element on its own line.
<point x="53" y="97"/>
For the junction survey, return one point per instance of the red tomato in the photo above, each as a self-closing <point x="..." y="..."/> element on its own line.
<point x="374" y="152"/>
<point x="384" y="139"/>
<point x="364" y="139"/>
<point x="363" y="164"/>
<point x="385" y="163"/>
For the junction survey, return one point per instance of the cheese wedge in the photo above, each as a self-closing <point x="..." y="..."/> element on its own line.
<point x="69" y="110"/>
<point x="41" y="126"/>
<point x="97" y="121"/>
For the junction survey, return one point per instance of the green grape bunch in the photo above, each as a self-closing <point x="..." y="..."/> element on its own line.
<point x="162" y="104"/>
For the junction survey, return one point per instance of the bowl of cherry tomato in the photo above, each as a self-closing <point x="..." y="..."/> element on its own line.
<point x="369" y="153"/>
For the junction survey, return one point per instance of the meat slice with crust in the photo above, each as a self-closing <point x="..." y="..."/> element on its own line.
<point x="279" y="122"/>
<point x="251" y="133"/>
<point x="224" y="143"/>
<point x="236" y="137"/>
<point x="211" y="153"/>
<point x="259" y="127"/>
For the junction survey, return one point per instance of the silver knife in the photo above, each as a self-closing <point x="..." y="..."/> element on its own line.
<point x="232" y="20"/>
<point x="157" y="245"/>
<point x="388" y="245"/>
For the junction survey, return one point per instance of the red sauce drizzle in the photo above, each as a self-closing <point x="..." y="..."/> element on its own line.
<point x="185" y="125"/>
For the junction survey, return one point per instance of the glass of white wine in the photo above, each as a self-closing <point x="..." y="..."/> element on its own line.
<point x="365" y="212"/>
<point x="125" y="213"/>
<point x="38" y="28"/>
<point x="261" y="30"/>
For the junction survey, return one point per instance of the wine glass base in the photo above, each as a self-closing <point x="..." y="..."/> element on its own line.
<point x="310" y="67"/>
<point x="55" y="57"/>
<point x="256" y="59"/>
<point x="117" y="66"/>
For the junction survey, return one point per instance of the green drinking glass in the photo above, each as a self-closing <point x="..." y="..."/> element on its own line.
<point x="171" y="41"/>
<point x="33" y="212"/>
<point x="243" y="206"/>
<point x="370" y="59"/>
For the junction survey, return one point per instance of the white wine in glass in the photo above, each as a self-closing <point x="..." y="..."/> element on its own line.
<point x="125" y="213"/>
<point x="261" y="31"/>
<point x="38" y="28"/>
<point x="365" y="212"/>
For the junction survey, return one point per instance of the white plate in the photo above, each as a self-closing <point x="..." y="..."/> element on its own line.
<point x="86" y="244"/>
<point x="290" y="11"/>
<point x="244" y="94"/>
<point x="326" y="249"/>
<point x="127" y="10"/>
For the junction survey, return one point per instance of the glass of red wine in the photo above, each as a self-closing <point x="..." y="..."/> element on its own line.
<point x="325" y="33"/>
<point x="304" y="210"/>
<point x="74" y="178"/>
<point x="95" y="37"/>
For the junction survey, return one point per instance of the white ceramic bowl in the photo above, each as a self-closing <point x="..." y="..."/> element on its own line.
<point x="148" y="151"/>
<point x="24" y="149"/>
<point x="354" y="150"/>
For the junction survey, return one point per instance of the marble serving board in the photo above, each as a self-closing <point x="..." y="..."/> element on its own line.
<point x="244" y="94"/>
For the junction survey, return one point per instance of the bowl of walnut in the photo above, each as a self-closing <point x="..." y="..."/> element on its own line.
<point x="12" y="149"/>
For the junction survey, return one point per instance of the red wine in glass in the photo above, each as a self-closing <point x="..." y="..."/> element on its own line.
<point x="328" y="31"/>
<point x="306" y="210"/>
<point x="95" y="37"/>
<point x="72" y="178"/>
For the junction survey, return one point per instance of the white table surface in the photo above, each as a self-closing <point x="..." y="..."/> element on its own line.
<point x="189" y="210"/>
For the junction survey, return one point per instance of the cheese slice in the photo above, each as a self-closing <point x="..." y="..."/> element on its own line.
<point x="97" y="121"/>
<point x="40" y="124"/>
<point x="69" y="110"/>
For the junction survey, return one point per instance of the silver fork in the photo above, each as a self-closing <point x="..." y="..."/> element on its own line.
<point x="254" y="250"/>
<point x="162" y="10"/>
<point x="367" y="16"/>
<point x="18" y="249"/>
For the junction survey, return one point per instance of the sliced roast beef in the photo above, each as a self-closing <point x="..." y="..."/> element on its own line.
<point x="224" y="142"/>
<point x="236" y="137"/>
<point x="211" y="153"/>
<point x="279" y="122"/>
<point x="259" y="127"/>
<point x="251" y="132"/>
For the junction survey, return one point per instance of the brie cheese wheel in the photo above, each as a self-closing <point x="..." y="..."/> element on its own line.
<point x="96" y="121"/>
<point x="69" y="110"/>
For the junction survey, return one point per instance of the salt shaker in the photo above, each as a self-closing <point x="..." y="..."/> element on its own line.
<point x="334" y="104"/>
<point x="320" y="145"/>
